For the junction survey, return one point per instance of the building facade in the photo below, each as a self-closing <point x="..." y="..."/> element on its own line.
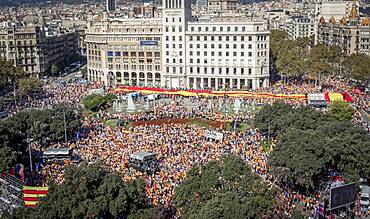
<point x="222" y="5"/>
<point x="24" y="47"/>
<point x="299" y="26"/>
<point x="32" y="49"/>
<point x="351" y="34"/>
<point x="226" y="53"/>
<point x="125" y="52"/>
<point x="180" y="51"/>
<point x="328" y="9"/>
<point x="59" y="47"/>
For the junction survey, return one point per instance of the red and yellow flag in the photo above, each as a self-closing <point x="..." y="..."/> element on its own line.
<point x="32" y="195"/>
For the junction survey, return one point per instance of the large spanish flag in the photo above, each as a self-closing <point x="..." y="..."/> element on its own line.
<point x="32" y="194"/>
<point x="206" y="93"/>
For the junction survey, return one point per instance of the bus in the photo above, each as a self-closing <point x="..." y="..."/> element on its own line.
<point x="57" y="154"/>
<point x="144" y="162"/>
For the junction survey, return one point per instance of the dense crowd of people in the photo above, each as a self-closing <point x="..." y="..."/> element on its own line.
<point x="51" y="94"/>
<point x="180" y="146"/>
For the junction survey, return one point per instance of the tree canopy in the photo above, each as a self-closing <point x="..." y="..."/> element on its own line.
<point x="42" y="125"/>
<point x="295" y="58"/>
<point x="358" y="67"/>
<point x="29" y="86"/>
<point x="288" y="55"/>
<point x="323" y="60"/>
<point x="311" y="143"/>
<point x="96" y="102"/>
<point x="223" y="189"/>
<point x="9" y="75"/>
<point x="89" y="191"/>
<point x="7" y="158"/>
<point x="341" y="111"/>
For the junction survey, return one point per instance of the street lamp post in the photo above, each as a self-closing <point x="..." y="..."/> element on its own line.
<point x="65" y="125"/>
<point x="29" y="141"/>
<point x="225" y="106"/>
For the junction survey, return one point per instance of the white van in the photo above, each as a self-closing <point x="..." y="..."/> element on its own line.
<point x="365" y="196"/>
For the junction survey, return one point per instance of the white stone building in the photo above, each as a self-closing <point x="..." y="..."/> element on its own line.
<point x="184" y="51"/>
<point x="231" y="52"/>
<point x="299" y="26"/>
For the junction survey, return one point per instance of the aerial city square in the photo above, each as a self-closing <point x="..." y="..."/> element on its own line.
<point x="179" y="109"/>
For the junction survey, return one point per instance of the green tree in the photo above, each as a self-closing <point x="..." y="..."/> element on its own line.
<point x="54" y="69"/>
<point x="10" y="144"/>
<point x="291" y="62"/>
<point x="341" y="111"/>
<point x="324" y="60"/>
<point x="357" y="67"/>
<point x="96" y="102"/>
<point x="28" y="86"/>
<point x="89" y="191"/>
<point x="42" y="125"/>
<point x="7" y="158"/>
<point x="318" y="61"/>
<point x="310" y="143"/>
<point x="277" y="41"/>
<point x="84" y="73"/>
<point x="289" y="56"/>
<point x="271" y="117"/>
<point x="154" y="213"/>
<point x="9" y="75"/>
<point x="298" y="158"/>
<point x="223" y="189"/>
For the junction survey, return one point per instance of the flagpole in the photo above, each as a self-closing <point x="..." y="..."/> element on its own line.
<point x="65" y="125"/>
<point x="30" y="154"/>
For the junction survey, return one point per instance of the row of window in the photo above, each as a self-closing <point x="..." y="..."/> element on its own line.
<point x="221" y="29"/>
<point x="125" y="38"/>
<point x="134" y="67"/>
<point x="242" y="54"/>
<point x="133" y="54"/>
<point x="225" y="38"/>
<point x="227" y="71"/>
<point x="220" y="46"/>
<point x="134" y="60"/>
<point x="134" y="48"/>
<point x="28" y="68"/>
<point x="94" y="58"/>
<point x="167" y="28"/>
<point x="173" y="19"/>
<point x="173" y="38"/>
<point x="221" y="71"/>
<point x="23" y="36"/>
<point x="234" y="54"/>
<point x="219" y="61"/>
<point x="224" y="46"/>
<point x="118" y="38"/>
<point x="173" y="3"/>
<point x="220" y="82"/>
<point x="213" y="61"/>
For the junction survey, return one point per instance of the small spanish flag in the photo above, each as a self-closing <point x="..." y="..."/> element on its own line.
<point x="32" y="195"/>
